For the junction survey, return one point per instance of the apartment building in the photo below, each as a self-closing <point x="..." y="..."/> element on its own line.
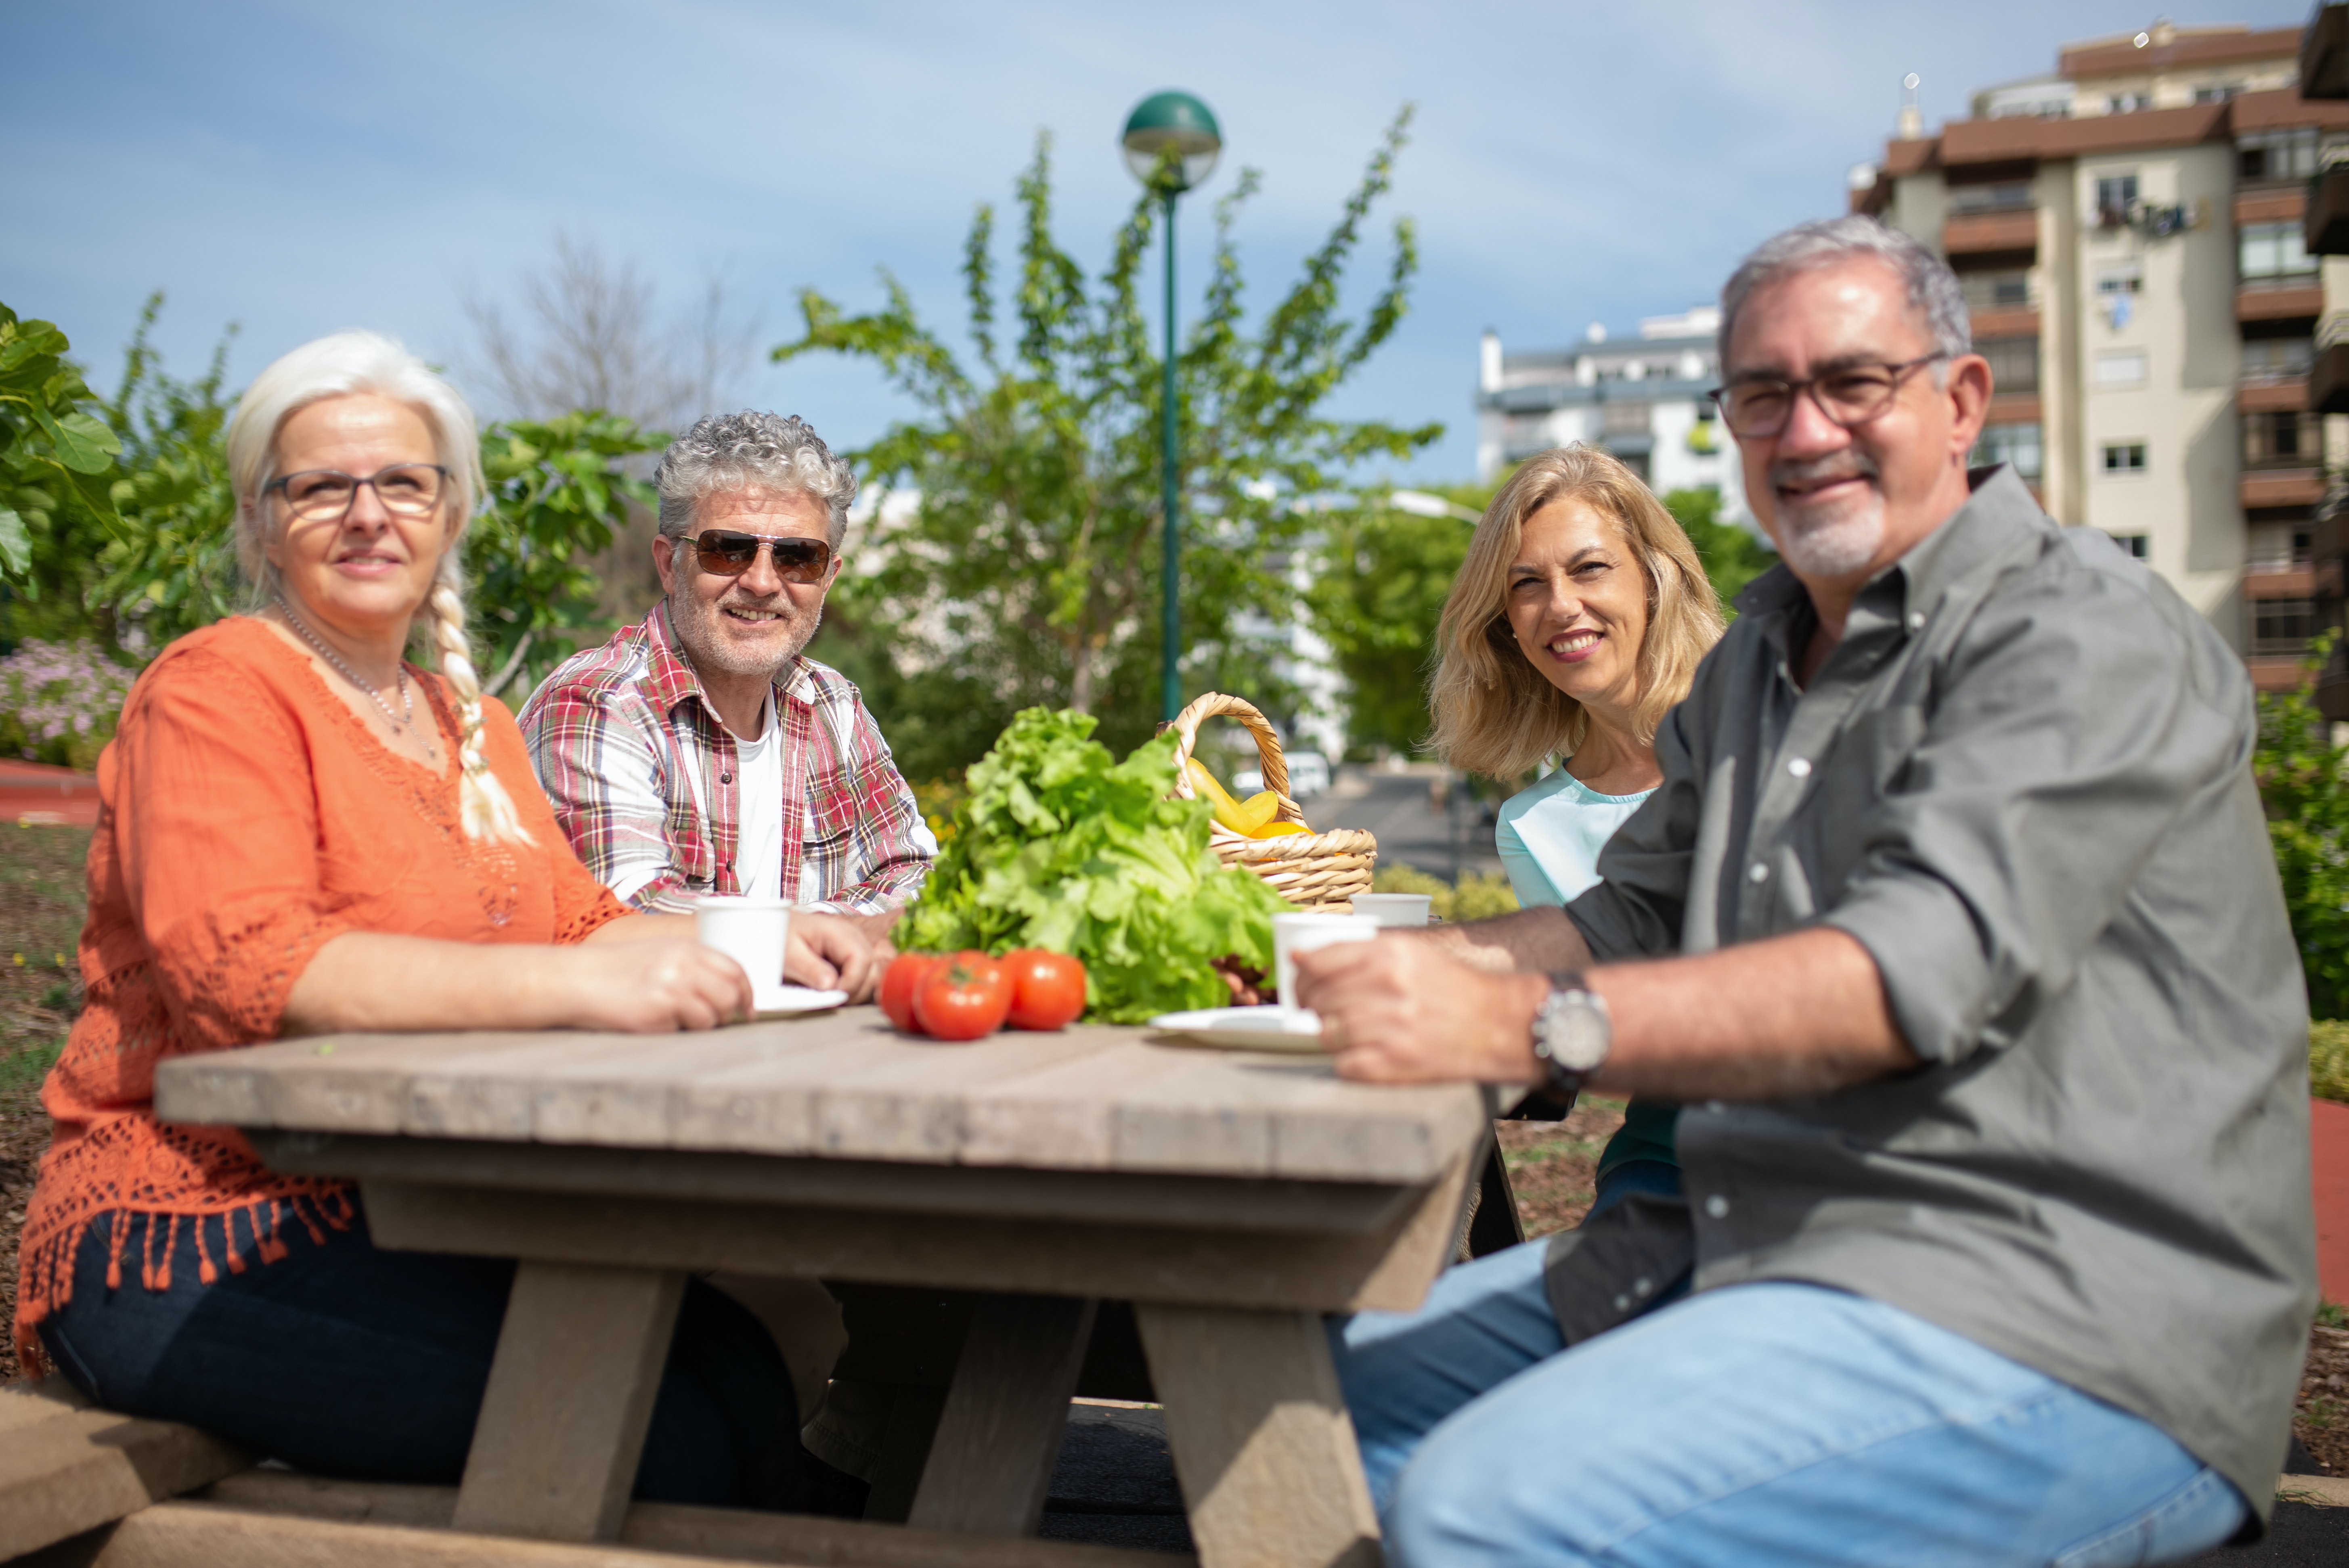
<point x="2128" y="232"/>
<point x="1642" y="395"/>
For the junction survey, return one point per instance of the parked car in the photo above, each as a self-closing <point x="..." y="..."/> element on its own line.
<point x="1309" y="775"/>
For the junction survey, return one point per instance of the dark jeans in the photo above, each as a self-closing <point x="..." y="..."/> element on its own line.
<point x="345" y="1360"/>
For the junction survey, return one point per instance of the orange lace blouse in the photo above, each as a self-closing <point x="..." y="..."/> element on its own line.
<point x="247" y="818"/>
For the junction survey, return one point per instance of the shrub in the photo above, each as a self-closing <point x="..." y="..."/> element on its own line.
<point x="59" y="701"/>
<point x="1479" y="896"/>
<point x="2328" y="1059"/>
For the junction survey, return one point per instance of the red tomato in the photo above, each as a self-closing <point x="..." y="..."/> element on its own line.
<point x="1048" y="988"/>
<point x="900" y="981"/>
<point x="963" y="997"/>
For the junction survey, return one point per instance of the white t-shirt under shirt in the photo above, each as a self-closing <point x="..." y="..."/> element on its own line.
<point x="1549" y="836"/>
<point x="758" y="838"/>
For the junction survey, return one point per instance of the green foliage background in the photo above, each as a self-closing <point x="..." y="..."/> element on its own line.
<point x="1028" y="573"/>
<point x="2303" y="783"/>
<point x="117" y="516"/>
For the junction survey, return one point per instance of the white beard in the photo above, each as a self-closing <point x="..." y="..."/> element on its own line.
<point x="1834" y="541"/>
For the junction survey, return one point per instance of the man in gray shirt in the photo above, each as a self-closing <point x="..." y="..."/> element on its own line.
<point x="1967" y="959"/>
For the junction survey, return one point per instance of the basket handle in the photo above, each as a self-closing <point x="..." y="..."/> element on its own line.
<point x="1267" y="748"/>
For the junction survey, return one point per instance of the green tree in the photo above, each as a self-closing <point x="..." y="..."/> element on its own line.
<point x="1028" y="573"/>
<point x="1733" y="556"/>
<point x="2303" y="782"/>
<point x="1381" y="576"/>
<point x="557" y="490"/>
<point x="170" y="565"/>
<point x="57" y="459"/>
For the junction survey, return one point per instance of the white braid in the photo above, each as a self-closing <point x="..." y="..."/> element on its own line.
<point x="488" y="812"/>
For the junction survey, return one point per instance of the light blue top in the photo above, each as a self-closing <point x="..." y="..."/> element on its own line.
<point x="1550" y="837"/>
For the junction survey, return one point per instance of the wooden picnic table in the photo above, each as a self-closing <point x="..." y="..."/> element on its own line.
<point x="1234" y="1199"/>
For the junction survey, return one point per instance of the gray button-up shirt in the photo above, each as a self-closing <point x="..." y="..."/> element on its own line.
<point x="2022" y="782"/>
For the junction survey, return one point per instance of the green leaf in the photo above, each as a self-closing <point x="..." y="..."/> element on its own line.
<point x="16" y="544"/>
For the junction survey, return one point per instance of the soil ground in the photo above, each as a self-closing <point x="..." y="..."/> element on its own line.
<point x="1551" y="1164"/>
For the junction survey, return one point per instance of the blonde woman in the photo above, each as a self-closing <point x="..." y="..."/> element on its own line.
<point x="301" y="831"/>
<point x="1577" y="619"/>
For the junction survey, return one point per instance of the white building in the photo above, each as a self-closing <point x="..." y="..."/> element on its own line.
<point x="1641" y="397"/>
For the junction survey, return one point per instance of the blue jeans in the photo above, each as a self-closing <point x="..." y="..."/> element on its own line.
<point x="1756" y="1424"/>
<point x="345" y="1360"/>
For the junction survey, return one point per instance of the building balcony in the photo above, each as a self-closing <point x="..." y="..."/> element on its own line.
<point x="2295" y="581"/>
<point x="2272" y="204"/>
<point x="2020" y="322"/>
<point x="2012" y="408"/>
<point x="2283" y="487"/>
<point x="2270" y="394"/>
<point x="2325" y="54"/>
<point x="2278" y="673"/>
<point x="2329" y="541"/>
<point x="1981" y="233"/>
<point x="2327" y="230"/>
<point x="2280" y="299"/>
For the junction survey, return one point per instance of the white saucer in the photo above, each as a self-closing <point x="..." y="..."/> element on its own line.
<point x="1270" y="1028"/>
<point x="782" y="1001"/>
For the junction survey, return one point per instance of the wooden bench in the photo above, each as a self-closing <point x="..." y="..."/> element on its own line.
<point x="82" y="1487"/>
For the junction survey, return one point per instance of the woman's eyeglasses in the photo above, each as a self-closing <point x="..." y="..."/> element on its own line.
<point x="327" y="495"/>
<point x="1853" y="396"/>
<point x="725" y="553"/>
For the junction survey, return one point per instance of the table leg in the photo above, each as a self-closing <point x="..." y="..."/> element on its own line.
<point x="570" y="1396"/>
<point x="1005" y="1415"/>
<point x="1263" y="1446"/>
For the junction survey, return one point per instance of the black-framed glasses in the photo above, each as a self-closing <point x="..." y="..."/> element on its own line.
<point x="722" y="553"/>
<point x="327" y="495"/>
<point x="1853" y="395"/>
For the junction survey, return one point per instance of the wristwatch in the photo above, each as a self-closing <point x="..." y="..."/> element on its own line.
<point x="1572" y="1032"/>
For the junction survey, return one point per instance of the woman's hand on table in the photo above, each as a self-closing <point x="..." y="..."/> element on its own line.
<point x="836" y="952"/>
<point x="657" y="983"/>
<point x="1404" y="1010"/>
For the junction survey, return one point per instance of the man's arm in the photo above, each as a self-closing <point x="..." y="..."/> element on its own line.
<point x="1540" y="939"/>
<point x="601" y="774"/>
<point x="1802" y="1014"/>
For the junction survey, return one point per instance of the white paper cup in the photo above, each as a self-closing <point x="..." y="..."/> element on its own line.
<point x="1394" y="909"/>
<point x="750" y="931"/>
<point x="1296" y="933"/>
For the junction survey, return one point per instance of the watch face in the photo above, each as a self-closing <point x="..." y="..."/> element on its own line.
<point x="1576" y="1032"/>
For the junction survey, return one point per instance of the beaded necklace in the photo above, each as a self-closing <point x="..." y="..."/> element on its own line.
<point x="400" y="720"/>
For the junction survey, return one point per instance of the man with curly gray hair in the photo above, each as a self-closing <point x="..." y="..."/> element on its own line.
<point x="699" y="751"/>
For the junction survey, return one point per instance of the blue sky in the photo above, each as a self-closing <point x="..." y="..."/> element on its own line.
<point x="302" y="167"/>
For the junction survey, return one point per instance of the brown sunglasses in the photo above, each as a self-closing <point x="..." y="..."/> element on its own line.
<point x="725" y="553"/>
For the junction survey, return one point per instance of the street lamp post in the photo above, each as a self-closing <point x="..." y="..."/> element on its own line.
<point x="1173" y="121"/>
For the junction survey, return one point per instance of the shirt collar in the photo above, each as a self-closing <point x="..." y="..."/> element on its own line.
<point x="671" y="677"/>
<point x="1997" y="520"/>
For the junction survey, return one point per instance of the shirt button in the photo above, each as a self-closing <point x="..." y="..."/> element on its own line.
<point x="726" y="779"/>
<point x="1799" y="766"/>
<point x="1716" y="1205"/>
<point x="1757" y="872"/>
<point x="1917" y="620"/>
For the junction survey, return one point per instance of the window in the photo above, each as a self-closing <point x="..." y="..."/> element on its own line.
<point x="2116" y="194"/>
<point x="1996" y="290"/>
<point x="2278" y="358"/>
<point x="2014" y="444"/>
<point x="2127" y="103"/>
<point x="1627" y="418"/>
<point x="2277" y="155"/>
<point x="2282" y="626"/>
<point x="2273" y="253"/>
<point x="2282" y="440"/>
<point x="2125" y="457"/>
<point x="2215" y="95"/>
<point x="2121" y="367"/>
<point x="2004" y="196"/>
<point x="2013" y="363"/>
<point x="2135" y="543"/>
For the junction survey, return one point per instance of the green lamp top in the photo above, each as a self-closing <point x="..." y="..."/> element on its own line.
<point x="1175" y="120"/>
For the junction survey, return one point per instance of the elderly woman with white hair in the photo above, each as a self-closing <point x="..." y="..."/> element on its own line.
<point x="304" y="832"/>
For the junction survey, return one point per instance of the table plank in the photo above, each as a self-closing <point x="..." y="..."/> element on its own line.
<point x="846" y="1086"/>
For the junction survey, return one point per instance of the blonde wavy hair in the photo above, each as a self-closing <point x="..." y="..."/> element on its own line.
<point x="1496" y="714"/>
<point x="336" y="367"/>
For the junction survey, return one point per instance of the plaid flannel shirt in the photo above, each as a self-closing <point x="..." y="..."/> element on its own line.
<point x="641" y="774"/>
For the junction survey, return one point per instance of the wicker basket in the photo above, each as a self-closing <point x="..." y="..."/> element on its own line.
<point x="1317" y="871"/>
